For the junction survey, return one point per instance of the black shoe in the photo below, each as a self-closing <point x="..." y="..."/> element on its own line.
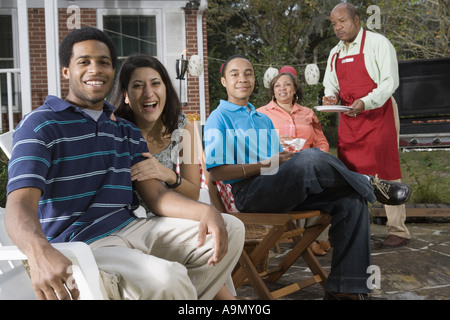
<point x="350" y="296"/>
<point x="390" y="193"/>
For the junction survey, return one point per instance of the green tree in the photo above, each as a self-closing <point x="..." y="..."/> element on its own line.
<point x="291" y="32"/>
<point x="418" y="29"/>
<point x="270" y="33"/>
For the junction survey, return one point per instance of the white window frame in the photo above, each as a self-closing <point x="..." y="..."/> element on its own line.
<point x="157" y="13"/>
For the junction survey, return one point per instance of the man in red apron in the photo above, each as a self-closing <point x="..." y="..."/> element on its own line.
<point x="362" y="72"/>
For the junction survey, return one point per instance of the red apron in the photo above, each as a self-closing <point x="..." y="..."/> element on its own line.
<point x="367" y="143"/>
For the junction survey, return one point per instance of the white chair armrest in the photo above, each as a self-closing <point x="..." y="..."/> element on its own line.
<point x="84" y="268"/>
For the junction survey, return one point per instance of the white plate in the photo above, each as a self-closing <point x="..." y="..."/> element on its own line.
<point x="332" y="108"/>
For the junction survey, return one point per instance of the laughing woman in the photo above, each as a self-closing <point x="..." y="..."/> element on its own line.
<point x="144" y="95"/>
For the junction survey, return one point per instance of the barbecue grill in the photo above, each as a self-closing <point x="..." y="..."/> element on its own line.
<point x="423" y="99"/>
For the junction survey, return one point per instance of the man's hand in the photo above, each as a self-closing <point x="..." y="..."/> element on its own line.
<point x="51" y="276"/>
<point x="356" y="108"/>
<point x="50" y="270"/>
<point x="285" y="156"/>
<point x="212" y="223"/>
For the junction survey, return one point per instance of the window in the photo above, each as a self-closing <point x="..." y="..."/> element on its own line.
<point x="6" y="42"/>
<point x="6" y="57"/>
<point x="131" y="34"/>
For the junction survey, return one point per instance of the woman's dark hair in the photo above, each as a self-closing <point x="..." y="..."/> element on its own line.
<point x="298" y="96"/>
<point x="172" y="109"/>
<point x="80" y="35"/>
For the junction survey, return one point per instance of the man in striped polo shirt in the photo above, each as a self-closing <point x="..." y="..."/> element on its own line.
<point x="70" y="180"/>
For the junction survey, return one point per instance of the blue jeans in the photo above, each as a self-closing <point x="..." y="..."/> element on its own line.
<point x="313" y="179"/>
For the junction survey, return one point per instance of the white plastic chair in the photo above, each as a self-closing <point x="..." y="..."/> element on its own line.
<point x="16" y="284"/>
<point x="6" y="140"/>
<point x="14" y="280"/>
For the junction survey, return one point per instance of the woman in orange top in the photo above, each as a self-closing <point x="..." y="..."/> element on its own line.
<point x="284" y="110"/>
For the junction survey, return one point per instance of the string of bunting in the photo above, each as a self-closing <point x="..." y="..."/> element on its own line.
<point x="312" y="72"/>
<point x="195" y="66"/>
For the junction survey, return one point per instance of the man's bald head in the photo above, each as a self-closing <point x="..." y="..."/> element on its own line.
<point x="345" y="21"/>
<point x="351" y="9"/>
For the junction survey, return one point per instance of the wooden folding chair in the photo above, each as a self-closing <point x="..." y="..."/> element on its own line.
<point x="280" y="226"/>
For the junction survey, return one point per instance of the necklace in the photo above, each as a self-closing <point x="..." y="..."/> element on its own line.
<point x="288" y="110"/>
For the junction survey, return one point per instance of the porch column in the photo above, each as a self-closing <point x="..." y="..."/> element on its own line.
<point x="201" y="79"/>
<point x="24" y="56"/>
<point x="52" y="44"/>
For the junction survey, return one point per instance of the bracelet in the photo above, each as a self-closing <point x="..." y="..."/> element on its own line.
<point x="243" y="170"/>
<point x="177" y="182"/>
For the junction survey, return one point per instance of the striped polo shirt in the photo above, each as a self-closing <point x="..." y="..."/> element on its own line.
<point x="82" y="167"/>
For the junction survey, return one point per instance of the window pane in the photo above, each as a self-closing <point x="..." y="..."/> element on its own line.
<point x="132" y="34"/>
<point x="6" y="56"/>
<point x="112" y="26"/>
<point x="147" y="28"/>
<point x="6" y="48"/>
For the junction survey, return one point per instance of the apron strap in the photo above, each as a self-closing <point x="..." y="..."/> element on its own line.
<point x="363" y="40"/>
<point x="332" y="59"/>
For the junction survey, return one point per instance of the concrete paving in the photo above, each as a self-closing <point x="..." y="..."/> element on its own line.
<point x="418" y="271"/>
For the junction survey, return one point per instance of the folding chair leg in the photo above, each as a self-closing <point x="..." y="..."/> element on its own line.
<point x="313" y="264"/>
<point x="259" y="252"/>
<point x="254" y="278"/>
<point x="302" y="244"/>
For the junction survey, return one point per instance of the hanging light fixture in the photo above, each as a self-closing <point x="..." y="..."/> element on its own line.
<point x="181" y="68"/>
<point x="192" y="5"/>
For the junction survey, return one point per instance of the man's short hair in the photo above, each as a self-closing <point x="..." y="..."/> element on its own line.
<point x="236" y="56"/>
<point x="80" y="35"/>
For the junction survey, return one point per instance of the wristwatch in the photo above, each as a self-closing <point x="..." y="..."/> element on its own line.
<point x="177" y="182"/>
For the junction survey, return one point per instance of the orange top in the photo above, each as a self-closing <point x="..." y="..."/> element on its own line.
<point x="307" y="125"/>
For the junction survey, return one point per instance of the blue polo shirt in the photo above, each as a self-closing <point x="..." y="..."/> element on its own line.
<point x="233" y="135"/>
<point x="82" y="167"/>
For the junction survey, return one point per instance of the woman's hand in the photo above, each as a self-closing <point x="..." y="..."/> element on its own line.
<point x="212" y="223"/>
<point x="150" y="168"/>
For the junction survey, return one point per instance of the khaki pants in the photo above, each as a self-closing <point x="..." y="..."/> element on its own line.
<point x="396" y="215"/>
<point x="158" y="258"/>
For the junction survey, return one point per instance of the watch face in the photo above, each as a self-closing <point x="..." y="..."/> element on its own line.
<point x="312" y="74"/>
<point x="195" y="66"/>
